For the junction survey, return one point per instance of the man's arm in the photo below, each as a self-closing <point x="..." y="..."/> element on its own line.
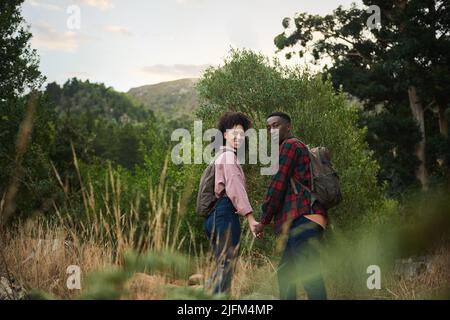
<point x="278" y="186"/>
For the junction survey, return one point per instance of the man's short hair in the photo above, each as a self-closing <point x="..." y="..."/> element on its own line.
<point x="280" y="114"/>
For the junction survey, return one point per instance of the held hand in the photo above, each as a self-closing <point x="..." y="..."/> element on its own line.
<point x="253" y="224"/>
<point x="259" y="230"/>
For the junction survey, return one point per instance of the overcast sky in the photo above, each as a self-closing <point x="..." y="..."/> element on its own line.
<point x="128" y="43"/>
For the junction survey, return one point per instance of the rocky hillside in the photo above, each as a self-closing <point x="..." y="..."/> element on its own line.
<point x="175" y="99"/>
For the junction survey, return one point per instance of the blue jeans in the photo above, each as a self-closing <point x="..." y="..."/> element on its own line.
<point x="223" y="229"/>
<point x="300" y="261"/>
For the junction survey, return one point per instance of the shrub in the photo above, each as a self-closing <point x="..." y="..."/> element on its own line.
<point x="250" y="83"/>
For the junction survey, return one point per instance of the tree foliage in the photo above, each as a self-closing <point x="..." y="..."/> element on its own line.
<point x="19" y="67"/>
<point x="248" y="82"/>
<point x="402" y="62"/>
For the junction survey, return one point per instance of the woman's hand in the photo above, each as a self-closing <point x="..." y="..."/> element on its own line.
<point x="259" y="230"/>
<point x="254" y="226"/>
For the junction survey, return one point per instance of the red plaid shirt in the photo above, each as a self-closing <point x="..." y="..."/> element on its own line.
<point x="281" y="201"/>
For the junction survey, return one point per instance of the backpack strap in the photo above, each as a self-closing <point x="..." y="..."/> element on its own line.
<point x="311" y="169"/>
<point x="294" y="187"/>
<point x="213" y="163"/>
<point x="221" y="150"/>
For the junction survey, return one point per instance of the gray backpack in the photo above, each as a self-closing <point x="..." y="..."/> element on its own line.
<point x="325" y="186"/>
<point x="206" y="198"/>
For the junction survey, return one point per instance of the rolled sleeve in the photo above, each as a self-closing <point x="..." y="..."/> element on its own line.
<point x="234" y="182"/>
<point x="235" y="189"/>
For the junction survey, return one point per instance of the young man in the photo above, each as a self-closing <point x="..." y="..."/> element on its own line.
<point x="288" y="203"/>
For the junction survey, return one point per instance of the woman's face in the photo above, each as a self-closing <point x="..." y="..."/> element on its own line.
<point x="235" y="136"/>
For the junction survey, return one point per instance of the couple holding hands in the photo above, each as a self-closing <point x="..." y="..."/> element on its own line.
<point x="287" y="203"/>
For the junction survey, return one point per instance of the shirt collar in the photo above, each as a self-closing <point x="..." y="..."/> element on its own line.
<point x="227" y="148"/>
<point x="288" y="137"/>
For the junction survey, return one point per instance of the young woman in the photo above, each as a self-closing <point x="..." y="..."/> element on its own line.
<point x="222" y="226"/>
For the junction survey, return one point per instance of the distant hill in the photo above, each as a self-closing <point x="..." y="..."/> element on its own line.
<point x="175" y="99"/>
<point x="103" y="125"/>
<point x="77" y="97"/>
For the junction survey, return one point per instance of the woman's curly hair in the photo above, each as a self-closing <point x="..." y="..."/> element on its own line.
<point x="228" y="120"/>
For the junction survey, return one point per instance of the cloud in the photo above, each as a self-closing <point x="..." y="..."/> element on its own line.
<point x="43" y="5"/>
<point x="100" y="4"/>
<point x="190" y="2"/>
<point x="47" y="37"/>
<point x="78" y="74"/>
<point x="119" y="30"/>
<point x="187" y="1"/>
<point x="243" y="31"/>
<point x="174" y="71"/>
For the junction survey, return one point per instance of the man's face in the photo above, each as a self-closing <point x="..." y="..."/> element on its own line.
<point x="284" y="128"/>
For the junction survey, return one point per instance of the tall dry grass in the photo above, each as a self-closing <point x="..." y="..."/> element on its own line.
<point x="256" y="278"/>
<point x="37" y="252"/>
<point x="37" y="255"/>
<point x="433" y="283"/>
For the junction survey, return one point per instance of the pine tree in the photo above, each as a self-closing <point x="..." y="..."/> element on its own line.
<point x="403" y="61"/>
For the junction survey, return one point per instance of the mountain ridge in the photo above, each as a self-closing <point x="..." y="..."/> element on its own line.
<point x="175" y="99"/>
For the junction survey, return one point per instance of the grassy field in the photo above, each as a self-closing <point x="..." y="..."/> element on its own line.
<point x="37" y="252"/>
<point x="37" y="256"/>
<point x="126" y="253"/>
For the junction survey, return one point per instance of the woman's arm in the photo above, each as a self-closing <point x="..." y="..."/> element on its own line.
<point x="235" y="188"/>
